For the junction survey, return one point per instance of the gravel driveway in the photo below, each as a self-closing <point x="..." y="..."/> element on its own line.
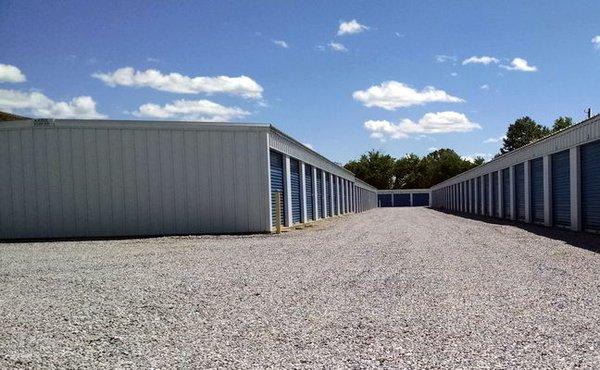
<point x="403" y="287"/>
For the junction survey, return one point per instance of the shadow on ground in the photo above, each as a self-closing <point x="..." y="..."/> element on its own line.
<point x="583" y="240"/>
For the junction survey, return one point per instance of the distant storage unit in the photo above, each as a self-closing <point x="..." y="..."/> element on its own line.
<point x="403" y="198"/>
<point x="554" y="181"/>
<point x="101" y="178"/>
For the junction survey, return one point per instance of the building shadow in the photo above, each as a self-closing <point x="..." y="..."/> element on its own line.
<point x="583" y="240"/>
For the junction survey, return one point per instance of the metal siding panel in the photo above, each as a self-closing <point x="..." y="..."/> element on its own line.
<point x="537" y="190"/>
<point x="309" y="192"/>
<point x="506" y="192"/>
<point x="590" y="186"/>
<point x="215" y="214"/>
<point x="117" y="226"/>
<point x="143" y="182"/>
<point x="336" y="204"/>
<point x="155" y="181"/>
<point x="478" y="187"/>
<point x="228" y="199"/>
<point x="41" y="182"/>
<point x="385" y="200"/>
<point x="520" y="191"/>
<point x="401" y="200"/>
<point x="561" y="192"/>
<point x="277" y="179"/>
<point x="329" y="189"/>
<point x="92" y="182"/>
<point x="241" y="179"/>
<point x="29" y="194"/>
<point x="495" y="194"/>
<point x="105" y="190"/>
<point x="295" y="191"/>
<point x="205" y="173"/>
<point x="420" y="199"/>
<point x="6" y="192"/>
<point x="486" y="194"/>
<point x="130" y="189"/>
<point x="320" y="193"/>
<point x="472" y="196"/>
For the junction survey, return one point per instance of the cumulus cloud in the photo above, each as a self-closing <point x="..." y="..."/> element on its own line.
<point x="11" y="74"/>
<point x="39" y="105"/>
<point x="351" y="27"/>
<point x="391" y="95"/>
<point x="336" y="46"/>
<point x="494" y="140"/>
<point x="596" y="42"/>
<point x="441" y="58"/>
<point x="281" y="43"/>
<point x="191" y="110"/>
<point x="485" y="60"/>
<point x="176" y="83"/>
<point x="520" y="64"/>
<point x="484" y="87"/>
<point x="430" y="123"/>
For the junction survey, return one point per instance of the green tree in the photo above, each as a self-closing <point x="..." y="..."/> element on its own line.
<point x="375" y="168"/>
<point x="522" y="132"/>
<point x="443" y="164"/>
<point x="408" y="172"/>
<point x="562" y="123"/>
<point x="478" y="161"/>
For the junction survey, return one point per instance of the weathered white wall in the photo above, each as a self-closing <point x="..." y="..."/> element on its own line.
<point x="71" y="178"/>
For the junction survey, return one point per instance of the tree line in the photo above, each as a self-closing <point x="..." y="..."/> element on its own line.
<point x="414" y="172"/>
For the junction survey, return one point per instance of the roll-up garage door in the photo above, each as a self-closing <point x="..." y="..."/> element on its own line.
<point x="561" y="191"/>
<point x="319" y="192"/>
<point x="277" y="177"/>
<point x="336" y="203"/>
<point x="486" y="195"/>
<point x="590" y="186"/>
<point x="328" y="188"/>
<point x="295" y="191"/>
<point x="494" y="200"/>
<point x="520" y="191"/>
<point x="401" y="200"/>
<point x="506" y="192"/>
<point x="420" y="199"/>
<point x="479" y="198"/>
<point x="463" y="199"/>
<point x="472" y="204"/>
<point x="310" y="194"/>
<point x="384" y="200"/>
<point x="537" y="190"/>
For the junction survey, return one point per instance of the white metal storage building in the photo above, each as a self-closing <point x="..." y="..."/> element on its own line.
<point x="553" y="182"/>
<point x="101" y="178"/>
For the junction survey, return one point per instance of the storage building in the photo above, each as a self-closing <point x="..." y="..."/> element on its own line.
<point x="102" y="178"/>
<point x="554" y="182"/>
<point x="403" y="198"/>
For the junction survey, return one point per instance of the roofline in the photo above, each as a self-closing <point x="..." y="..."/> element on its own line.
<point x="524" y="147"/>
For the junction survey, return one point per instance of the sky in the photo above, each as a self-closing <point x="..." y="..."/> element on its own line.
<point x="341" y="77"/>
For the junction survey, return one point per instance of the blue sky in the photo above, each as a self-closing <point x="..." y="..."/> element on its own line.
<point x="345" y="78"/>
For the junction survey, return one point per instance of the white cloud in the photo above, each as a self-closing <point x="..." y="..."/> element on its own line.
<point x="10" y="73"/>
<point x="520" y="64"/>
<point x="454" y="74"/>
<point x="351" y="27"/>
<point x="191" y="110"/>
<point x="471" y="157"/>
<point x="480" y="60"/>
<point x="391" y="95"/>
<point x="176" y="83"/>
<point x="281" y="43"/>
<point x="596" y="42"/>
<point x="336" y="46"/>
<point x="441" y="58"/>
<point x="39" y="105"/>
<point x="494" y="140"/>
<point x="430" y="123"/>
<point x="484" y="87"/>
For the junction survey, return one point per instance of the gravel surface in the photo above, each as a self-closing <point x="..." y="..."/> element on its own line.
<point x="404" y="287"/>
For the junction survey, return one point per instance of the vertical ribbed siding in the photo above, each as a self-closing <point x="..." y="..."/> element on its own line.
<point x="520" y="191"/>
<point x="561" y="189"/>
<point x="479" y="198"/>
<point x="319" y="192"/>
<point x="537" y="190"/>
<point x="590" y="186"/>
<point x="506" y="192"/>
<point x="486" y="194"/>
<point x="495" y="194"/>
<point x="329" y="189"/>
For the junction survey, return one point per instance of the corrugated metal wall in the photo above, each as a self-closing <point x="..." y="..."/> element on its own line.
<point x="94" y="179"/>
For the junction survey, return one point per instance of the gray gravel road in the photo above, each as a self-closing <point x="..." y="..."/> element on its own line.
<point x="408" y="288"/>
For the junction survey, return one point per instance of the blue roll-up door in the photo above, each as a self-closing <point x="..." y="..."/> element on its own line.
<point x="295" y="191"/>
<point x="319" y="193"/>
<point x="506" y="192"/>
<point x="472" y="205"/>
<point x="537" y="190"/>
<point x="384" y="200"/>
<point x="310" y="194"/>
<point x="494" y="200"/>
<point x="561" y="189"/>
<point x="463" y="201"/>
<point x="401" y="200"/>
<point x="486" y="195"/>
<point x="329" y="189"/>
<point x="520" y="190"/>
<point x="590" y="186"/>
<point x="420" y="199"/>
<point x="479" y="198"/>
<point x="277" y="178"/>
<point x="336" y="204"/>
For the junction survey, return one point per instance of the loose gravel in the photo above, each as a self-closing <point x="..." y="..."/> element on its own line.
<point x="396" y="287"/>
